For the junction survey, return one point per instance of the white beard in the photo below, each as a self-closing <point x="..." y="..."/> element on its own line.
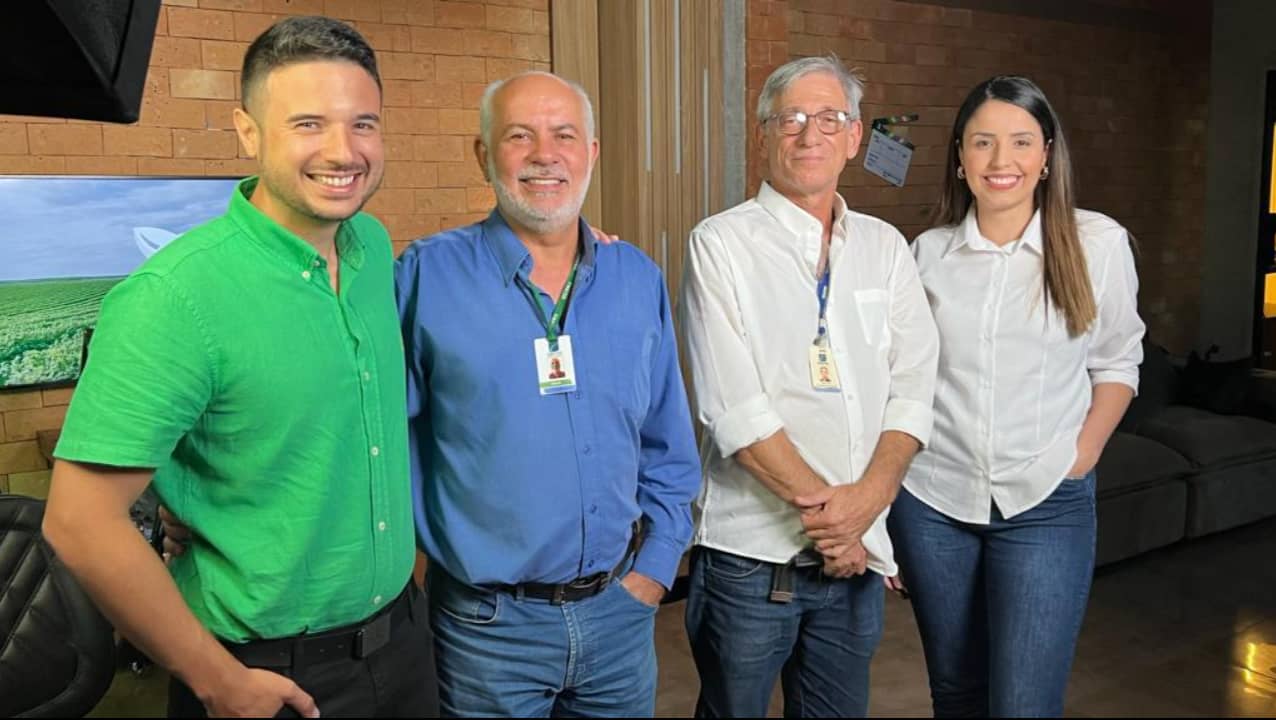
<point x="536" y="220"/>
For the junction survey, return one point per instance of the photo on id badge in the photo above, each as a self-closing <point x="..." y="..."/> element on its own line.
<point x="555" y="370"/>
<point x="823" y="370"/>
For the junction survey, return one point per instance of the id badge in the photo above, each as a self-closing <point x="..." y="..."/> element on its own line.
<point x="555" y="371"/>
<point x="823" y="370"/>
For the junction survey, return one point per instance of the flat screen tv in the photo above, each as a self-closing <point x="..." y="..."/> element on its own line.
<point x="64" y="242"/>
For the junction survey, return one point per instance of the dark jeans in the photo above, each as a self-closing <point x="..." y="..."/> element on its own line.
<point x="999" y="606"/>
<point x="398" y="680"/>
<point x="820" y="645"/>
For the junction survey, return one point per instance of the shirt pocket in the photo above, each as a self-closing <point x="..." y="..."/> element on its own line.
<point x="873" y="307"/>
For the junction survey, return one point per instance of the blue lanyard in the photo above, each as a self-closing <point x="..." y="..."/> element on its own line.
<point x="822" y="293"/>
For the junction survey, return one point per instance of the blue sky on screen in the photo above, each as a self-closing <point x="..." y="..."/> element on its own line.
<point x="64" y="227"/>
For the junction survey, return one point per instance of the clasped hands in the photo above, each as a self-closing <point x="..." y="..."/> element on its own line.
<point x="835" y="519"/>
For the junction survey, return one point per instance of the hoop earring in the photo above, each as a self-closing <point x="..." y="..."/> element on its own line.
<point x="1045" y="171"/>
<point x="961" y="173"/>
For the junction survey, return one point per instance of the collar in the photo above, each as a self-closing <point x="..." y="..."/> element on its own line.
<point x="967" y="235"/>
<point x="793" y="217"/>
<point x="808" y="229"/>
<point x="512" y="255"/>
<point x="283" y="243"/>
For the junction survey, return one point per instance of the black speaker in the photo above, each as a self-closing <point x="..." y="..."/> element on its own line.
<point x="83" y="59"/>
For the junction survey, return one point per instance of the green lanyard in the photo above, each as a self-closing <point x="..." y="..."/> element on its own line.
<point x="552" y="323"/>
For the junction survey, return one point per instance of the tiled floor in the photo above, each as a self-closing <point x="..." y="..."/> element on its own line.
<point x="1186" y="631"/>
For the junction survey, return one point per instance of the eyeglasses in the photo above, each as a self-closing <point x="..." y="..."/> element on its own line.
<point x="793" y="122"/>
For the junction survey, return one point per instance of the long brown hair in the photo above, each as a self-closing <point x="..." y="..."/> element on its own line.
<point x="1066" y="281"/>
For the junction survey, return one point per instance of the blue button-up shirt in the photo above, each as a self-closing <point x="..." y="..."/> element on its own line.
<point x="511" y="486"/>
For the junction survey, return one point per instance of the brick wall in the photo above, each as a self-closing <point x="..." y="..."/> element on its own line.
<point x="1133" y="103"/>
<point x="435" y="58"/>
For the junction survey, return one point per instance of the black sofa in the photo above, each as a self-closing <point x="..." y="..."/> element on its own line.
<point x="1195" y="454"/>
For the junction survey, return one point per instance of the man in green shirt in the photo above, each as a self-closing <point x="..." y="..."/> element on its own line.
<point x="253" y="371"/>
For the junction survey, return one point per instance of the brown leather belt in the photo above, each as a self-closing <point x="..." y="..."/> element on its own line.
<point x="557" y="594"/>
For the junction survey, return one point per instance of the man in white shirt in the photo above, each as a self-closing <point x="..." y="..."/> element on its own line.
<point x="813" y="357"/>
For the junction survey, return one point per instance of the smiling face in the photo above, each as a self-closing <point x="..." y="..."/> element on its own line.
<point x="315" y="129"/>
<point x="539" y="156"/>
<point x="809" y="163"/>
<point x="1003" y="151"/>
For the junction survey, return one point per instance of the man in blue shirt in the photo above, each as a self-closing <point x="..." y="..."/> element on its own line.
<point x="548" y="422"/>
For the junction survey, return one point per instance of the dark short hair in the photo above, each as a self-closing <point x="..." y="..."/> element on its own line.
<point x="304" y="39"/>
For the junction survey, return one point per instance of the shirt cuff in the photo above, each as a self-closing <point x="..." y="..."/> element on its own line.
<point x="745" y="424"/>
<point x="909" y="416"/>
<point x="1125" y="377"/>
<point x="111" y="455"/>
<point x="658" y="559"/>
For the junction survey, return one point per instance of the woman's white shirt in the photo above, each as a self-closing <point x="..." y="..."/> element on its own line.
<point x="1013" y="388"/>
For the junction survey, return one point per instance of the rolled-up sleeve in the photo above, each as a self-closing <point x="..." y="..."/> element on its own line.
<point x="1116" y="347"/>
<point x="728" y="394"/>
<point x="914" y="351"/>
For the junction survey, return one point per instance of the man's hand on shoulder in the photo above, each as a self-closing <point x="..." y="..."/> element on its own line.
<point x="602" y="237"/>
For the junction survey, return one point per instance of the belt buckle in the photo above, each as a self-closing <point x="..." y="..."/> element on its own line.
<point x="807" y="557"/>
<point x="781" y="584"/>
<point x="585" y="583"/>
<point x="373" y="636"/>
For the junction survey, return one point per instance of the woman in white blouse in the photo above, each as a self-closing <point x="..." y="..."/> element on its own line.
<point x="1039" y="352"/>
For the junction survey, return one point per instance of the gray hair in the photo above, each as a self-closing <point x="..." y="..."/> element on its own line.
<point x="485" y="104"/>
<point x="789" y="72"/>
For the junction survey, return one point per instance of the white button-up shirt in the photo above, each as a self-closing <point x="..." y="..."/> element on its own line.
<point x="1014" y="388"/>
<point x="749" y="315"/>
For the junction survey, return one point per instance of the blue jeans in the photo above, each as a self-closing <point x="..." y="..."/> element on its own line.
<point x="820" y="644"/>
<point x="999" y="606"/>
<point x="502" y="656"/>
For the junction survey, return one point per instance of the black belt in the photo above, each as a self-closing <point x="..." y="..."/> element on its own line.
<point x="782" y="574"/>
<point x="580" y="588"/>
<point x="351" y="641"/>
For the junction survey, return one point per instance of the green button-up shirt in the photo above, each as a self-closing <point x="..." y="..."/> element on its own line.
<point x="273" y="410"/>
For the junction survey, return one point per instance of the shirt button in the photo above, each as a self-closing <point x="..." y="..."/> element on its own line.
<point x="367" y="376"/>
<point x="375" y="451"/>
<point x="315" y="262"/>
<point x="593" y="509"/>
<point x="381" y="526"/>
<point x="587" y="450"/>
<point x="376" y="600"/>
<point x="305" y="274"/>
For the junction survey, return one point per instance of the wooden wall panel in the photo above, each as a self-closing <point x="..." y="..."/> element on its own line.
<point x="574" y="49"/>
<point x="660" y="99"/>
